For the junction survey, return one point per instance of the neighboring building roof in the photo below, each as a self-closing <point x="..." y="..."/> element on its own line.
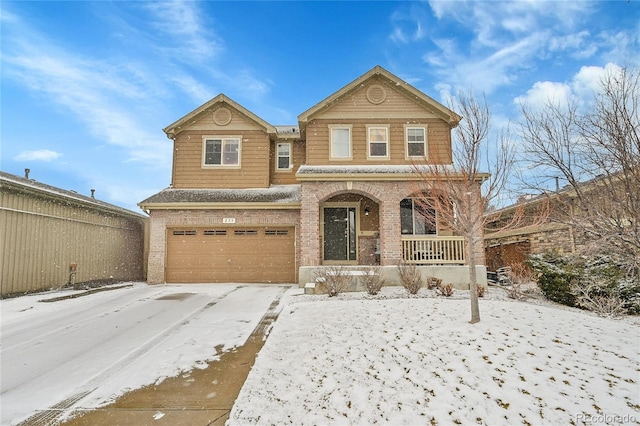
<point x="284" y="195"/>
<point x="14" y="182"/>
<point x="445" y="113"/>
<point x="176" y="127"/>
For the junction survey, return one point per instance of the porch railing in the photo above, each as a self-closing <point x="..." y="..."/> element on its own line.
<point x="432" y="250"/>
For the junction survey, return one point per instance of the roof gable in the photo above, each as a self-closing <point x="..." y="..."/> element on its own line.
<point x="401" y="86"/>
<point x="211" y="106"/>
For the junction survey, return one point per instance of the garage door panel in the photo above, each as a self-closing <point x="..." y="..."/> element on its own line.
<point x="231" y="255"/>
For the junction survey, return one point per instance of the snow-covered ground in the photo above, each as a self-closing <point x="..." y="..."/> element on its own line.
<point x="393" y="359"/>
<point x="354" y="359"/>
<point x="85" y="352"/>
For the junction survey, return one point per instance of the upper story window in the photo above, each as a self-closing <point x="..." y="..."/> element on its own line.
<point x="416" y="140"/>
<point x="283" y="156"/>
<point x="417" y="218"/>
<point x="221" y="151"/>
<point x="378" y="140"/>
<point x="340" y="140"/>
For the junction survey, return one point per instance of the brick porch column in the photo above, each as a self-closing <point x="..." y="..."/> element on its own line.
<point x="309" y="226"/>
<point x="157" y="248"/>
<point x="390" y="243"/>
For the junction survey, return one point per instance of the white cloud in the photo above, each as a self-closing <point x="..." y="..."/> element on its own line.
<point x="494" y="44"/>
<point x="186" y="35"/>
<point x="581" y="88"/>
<point x="544" y="91"/>
<point x="104" y="96"/>
<point x="37" y="155"/>
<point x="408" y="25"/>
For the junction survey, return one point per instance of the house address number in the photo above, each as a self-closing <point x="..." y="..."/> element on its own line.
<point x="228" y="220"/>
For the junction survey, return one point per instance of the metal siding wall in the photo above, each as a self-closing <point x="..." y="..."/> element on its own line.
<point x="42" y="237"/>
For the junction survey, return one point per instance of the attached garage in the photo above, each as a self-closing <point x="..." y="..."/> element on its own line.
<point x="230" y="254"/>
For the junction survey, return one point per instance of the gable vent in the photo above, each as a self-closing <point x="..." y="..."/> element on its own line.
<point x="222" y="116"/>
<point x="376" y="94"/>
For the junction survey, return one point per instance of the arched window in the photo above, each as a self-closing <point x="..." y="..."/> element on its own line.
<point x="416" y="218"/>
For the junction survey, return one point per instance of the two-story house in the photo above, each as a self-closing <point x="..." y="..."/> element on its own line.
<point x="254" y="202"/>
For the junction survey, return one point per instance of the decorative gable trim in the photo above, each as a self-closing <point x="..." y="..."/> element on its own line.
<point x="221" y="116"/>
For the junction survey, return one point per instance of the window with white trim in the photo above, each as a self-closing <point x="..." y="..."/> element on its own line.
<point x="416" y="218"/>
<point x="378" y="138"/>
<point x="224" y="151"/>
<point x="416" y="140"/>
<point x="283" y="156"/>
<point x="340" y="140"/>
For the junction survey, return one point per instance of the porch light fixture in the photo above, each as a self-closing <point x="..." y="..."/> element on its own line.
<point x="366" y="211"/>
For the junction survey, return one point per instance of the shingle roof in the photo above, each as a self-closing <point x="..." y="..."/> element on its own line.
<point x="273" y="194"/>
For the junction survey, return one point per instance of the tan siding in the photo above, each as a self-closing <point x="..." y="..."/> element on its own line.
<point x="396" y="111"/>
<point x="204" y="122"/>
<point x="254" y="163"/>
<point x="298" y="159"/>
<point x="42" y="236"/>
<point x="396" y="105"/>
<point x="438" y="141"/>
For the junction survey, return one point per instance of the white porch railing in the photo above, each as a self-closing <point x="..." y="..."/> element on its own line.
<point x="432" y="250"/>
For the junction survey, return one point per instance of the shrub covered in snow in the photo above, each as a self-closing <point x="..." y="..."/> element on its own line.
<point x="597" y="283"/>
<point x="555" y="274"/>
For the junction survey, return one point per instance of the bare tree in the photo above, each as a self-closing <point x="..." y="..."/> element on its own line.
<point x="461" y="192"/>
<point x="596" y="151"/>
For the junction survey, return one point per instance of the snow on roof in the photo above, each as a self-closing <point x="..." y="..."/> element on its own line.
<point x="273" y="194"/>
<point x="288" y="129"/>
<point x="390" y="169"/>
<point x="62" y="194"/>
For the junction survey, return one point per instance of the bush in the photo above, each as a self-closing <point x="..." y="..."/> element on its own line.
<point x="433" y="283"/>
<point x="334" y="279"/>
<point x="446" y="290"/>
<point x="555" y="275"/>
<point x="597" y="282"/>
<point x="481" y="291"/>
<point x="372" y="280"/>
<point x="410" y="277"/>
<point x="519" y="277"/>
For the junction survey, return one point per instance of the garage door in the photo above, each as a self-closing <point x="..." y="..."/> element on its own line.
<point x="217" y="255"/>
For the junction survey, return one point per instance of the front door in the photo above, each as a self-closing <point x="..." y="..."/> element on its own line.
<point x="340" y="236"/>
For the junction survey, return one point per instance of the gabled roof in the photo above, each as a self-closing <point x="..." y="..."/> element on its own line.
<point x="174" y="128"/>
<point x="442" y="111"/>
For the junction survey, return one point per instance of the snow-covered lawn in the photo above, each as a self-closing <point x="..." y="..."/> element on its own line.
<point x="358" y="359"/>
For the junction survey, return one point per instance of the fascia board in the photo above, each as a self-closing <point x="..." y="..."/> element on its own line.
<point x="220" y="206"/>
<point x="378" y="177"/>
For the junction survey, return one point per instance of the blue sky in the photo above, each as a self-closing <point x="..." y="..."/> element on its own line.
<point x="88" y="86"/>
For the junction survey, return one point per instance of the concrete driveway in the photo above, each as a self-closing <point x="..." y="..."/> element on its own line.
<point x="73" y="354"/>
